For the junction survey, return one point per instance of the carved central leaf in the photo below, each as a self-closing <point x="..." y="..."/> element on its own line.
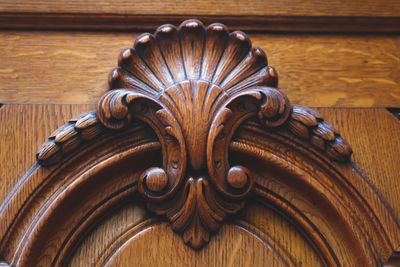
<point x="194" y="103"/>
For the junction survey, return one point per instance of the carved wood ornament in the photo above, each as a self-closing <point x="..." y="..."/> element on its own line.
<point x="201" y="95"/>
<point x="194" y="85"/>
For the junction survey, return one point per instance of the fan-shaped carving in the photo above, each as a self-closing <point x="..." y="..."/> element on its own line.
<point x="194" y="86"/>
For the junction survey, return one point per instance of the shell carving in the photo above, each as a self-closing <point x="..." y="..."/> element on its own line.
<point x="194" y="85"/>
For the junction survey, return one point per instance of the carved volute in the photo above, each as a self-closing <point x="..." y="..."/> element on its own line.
<point x="194" y="86"/>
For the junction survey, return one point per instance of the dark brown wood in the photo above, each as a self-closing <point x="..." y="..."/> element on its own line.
<point x="195" y="125"/>
<point x="277" y="24"/>
<point x="288" y="15"/>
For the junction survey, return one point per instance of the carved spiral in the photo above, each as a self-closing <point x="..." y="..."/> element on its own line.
<point x="271" y="106"/>
<point x="117" y="108"/>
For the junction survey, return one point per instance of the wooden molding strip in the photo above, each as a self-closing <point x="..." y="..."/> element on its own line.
<point x="123" y="22"/>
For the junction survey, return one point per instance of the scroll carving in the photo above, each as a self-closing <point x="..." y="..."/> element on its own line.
<point x="194" y="86"/>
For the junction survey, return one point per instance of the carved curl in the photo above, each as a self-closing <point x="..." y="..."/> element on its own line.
<point x="115" y="111"/>
<point x="270" y="105"/>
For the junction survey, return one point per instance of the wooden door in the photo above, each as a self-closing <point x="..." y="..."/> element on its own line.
<point x="193" y="154"/>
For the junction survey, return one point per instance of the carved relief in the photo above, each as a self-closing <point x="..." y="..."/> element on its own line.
<point x="194" y="86"/>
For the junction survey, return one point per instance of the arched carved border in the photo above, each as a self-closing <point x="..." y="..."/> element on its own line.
<point x="195" y="162"/>
<point x="27" y="222"/>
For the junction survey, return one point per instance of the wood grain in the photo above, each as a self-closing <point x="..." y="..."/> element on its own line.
<point x="194" y="86"/>
<point x="106" y="231"/>
<point x="314" y="70"/>
<point x="232" y="247"/>
<point x="235" y="246"/>
<point x="374" y="136"/>
<point x="23" y="128"/>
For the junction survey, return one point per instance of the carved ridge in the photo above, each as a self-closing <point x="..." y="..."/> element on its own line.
<point x="194" y="86"/>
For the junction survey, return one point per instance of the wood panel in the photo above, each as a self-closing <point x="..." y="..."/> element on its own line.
<point x="240" y="243"/>
<point x="314" y="70"/>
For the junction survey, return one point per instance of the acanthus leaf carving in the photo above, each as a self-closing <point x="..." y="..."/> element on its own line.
<point x="194" y="86"/>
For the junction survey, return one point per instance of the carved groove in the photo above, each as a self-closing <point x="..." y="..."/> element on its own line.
<point x="194" y="86"/>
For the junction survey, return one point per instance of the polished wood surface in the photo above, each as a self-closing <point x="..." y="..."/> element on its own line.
<point x="272" y="240"/>
<point x="279" y="231"/>
<point x="375" y="143"/>
<point x="19" y="129"/>
<point x="379" y="170"/>
<point x="314" y="70"/>
<point x="87" y="203"/>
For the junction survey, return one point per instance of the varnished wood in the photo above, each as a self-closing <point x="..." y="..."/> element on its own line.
<point x="195" y="156"/>
<point x="314" y="70"/>
<point x="350" y="122"/>
<point x="338" y="117"/>
<point x="231" y="247"/>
